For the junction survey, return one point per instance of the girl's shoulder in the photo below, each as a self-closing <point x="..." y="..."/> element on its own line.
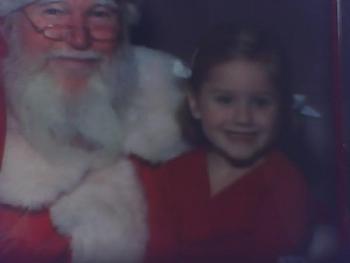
<point x="279" y="163"/>
<point x="283" y="174"/>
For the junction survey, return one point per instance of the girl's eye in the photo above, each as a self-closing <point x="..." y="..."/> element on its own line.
<point x="262" y="102"/>
<point x="223" y="99"/>
<point x="100" y="14"/>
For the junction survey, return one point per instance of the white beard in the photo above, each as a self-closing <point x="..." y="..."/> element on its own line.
<point x="51" y="120"/>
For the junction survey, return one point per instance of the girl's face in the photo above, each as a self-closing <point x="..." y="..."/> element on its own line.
<point x="237" y="106"/>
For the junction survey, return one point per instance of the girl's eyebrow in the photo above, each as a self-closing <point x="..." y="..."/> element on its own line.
<point x="213" y="88"/>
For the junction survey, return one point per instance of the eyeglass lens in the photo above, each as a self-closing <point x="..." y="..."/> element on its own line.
<point x="55" y="21"/>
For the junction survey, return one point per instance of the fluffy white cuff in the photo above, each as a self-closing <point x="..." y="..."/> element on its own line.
<point x="28" y="180"/>
<point x="105" y="216"/>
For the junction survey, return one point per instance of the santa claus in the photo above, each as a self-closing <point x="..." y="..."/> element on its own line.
<point x="80" y="101"/>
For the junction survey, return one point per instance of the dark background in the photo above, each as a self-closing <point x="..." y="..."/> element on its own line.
<point x="346" y="63"/>
<point x="345" y="49"/>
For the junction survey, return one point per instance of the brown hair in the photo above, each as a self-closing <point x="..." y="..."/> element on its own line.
<point x="226" y="43"/>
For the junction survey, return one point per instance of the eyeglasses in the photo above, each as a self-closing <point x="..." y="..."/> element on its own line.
<point x="54" y="21"/>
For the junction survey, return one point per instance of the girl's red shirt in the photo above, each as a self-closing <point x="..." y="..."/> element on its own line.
<point x="263" y="216"/>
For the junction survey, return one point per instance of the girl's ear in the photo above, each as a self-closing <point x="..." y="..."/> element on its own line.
<point x="192" y="101"/>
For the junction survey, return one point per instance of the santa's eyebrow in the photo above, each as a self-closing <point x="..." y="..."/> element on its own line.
<point x="106" y="2"/>
<point x="49" y="1"/>
<point x="97" y="2"/>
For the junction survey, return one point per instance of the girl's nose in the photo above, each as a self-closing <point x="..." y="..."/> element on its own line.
<point x="243" y="114"/>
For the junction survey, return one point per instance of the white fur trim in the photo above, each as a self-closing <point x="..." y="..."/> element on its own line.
<point x="105" y="217"/>
<point x="28" y="180"/>
<point x="152" y="131"/>
<point x="8" y="6"/>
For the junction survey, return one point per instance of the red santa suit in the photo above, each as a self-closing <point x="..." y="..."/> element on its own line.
<point x="70" y="211"/>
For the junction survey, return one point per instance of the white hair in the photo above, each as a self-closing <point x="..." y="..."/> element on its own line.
<point x="130" y="13"/>
<point x="8" y="6"/>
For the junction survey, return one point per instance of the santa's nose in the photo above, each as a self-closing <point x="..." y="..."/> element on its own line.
<point x="79" y="36"/>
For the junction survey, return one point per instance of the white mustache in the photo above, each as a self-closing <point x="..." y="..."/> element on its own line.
<point x="73" y="54"/>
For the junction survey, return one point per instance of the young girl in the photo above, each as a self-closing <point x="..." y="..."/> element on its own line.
<point x="236" y="197"/>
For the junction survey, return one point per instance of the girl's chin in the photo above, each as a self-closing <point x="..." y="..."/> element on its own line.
<point x="241" y="156"/>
